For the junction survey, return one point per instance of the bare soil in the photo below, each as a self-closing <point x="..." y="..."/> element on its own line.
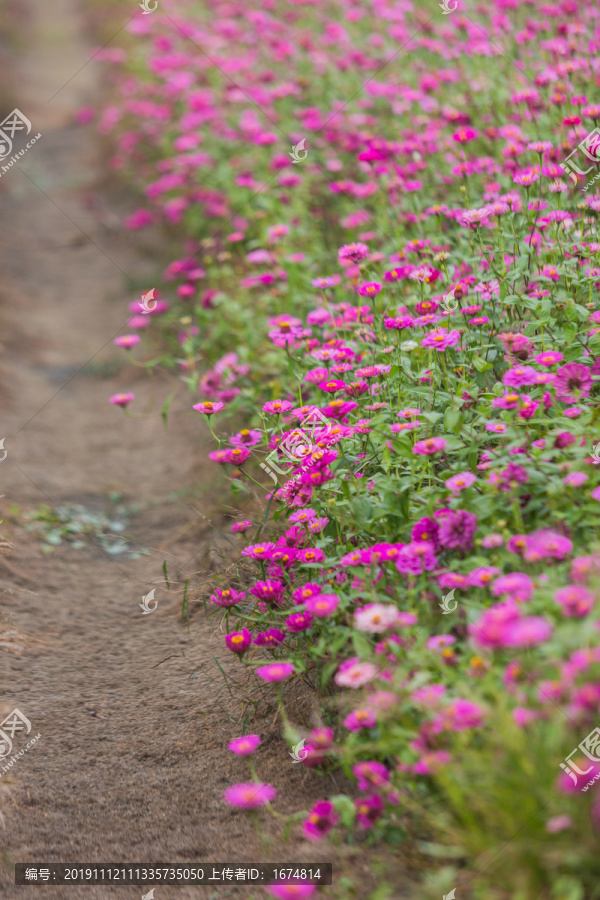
<point x="133" y="716"/>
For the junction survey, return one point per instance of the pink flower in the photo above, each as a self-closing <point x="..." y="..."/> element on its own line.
<point x="459" y="715"/>
<point x="322" y="605"/>
<point x="354" y="673"/>
<point x="275" y="671"/>
<point x="249" y="795"/>
<point x="520" y="375"/>
<point x="573" y="382"/>
<point x="208" y="407"/>
<point x="127" y="341"/>
<point x="353" y="252"/>
<point x="375" y="617"/>
<point x="575" y="479"/>
<point x="429" y="446"/>
<point x="459" y="482"/>
<point x="576" y="600"/>
<point x="245" y="745"/>
<point x="548" y="358"/>
<point x="122" y="400"/>
<point x="527" y="632"/>
<point x="440" y="339"/>
<point x="276" y="407"/>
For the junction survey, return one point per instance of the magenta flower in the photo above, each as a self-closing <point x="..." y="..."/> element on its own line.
<point x="369" y="809"/>
<point x="240" y="527"/>
<point x="292" y="891"/>
<point x="371" y="289"/>
<point x="370" y="774"/>
<point x="122" y="400"/>
<point x="272" y="637"/>
<point x="320" y="821"/>
<point x="429" y="446"/>
<point x="332" y="386"/>
<point x="208" y="407"/>
<point x="298" y="622"/>
<point x="245" y="745"/>
<point x="249" y="795"/>
<point x="457" y="529"/>
<point x="353" y="252"/>
<point x="361" y="718"/>
<point x="573" y="382"/>
<point x="227" y="597"/>
<point x="275" y="672"/>
<point x="259" y="551"/>
<point x="239" y="641"/>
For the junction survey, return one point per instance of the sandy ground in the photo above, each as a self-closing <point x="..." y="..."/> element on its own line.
<point x="132" y="760"/>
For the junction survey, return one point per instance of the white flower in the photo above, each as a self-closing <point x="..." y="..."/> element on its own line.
<point x="375" y="617"/>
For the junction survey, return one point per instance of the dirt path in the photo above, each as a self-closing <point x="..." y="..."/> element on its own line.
<point x="132" y="758"/>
